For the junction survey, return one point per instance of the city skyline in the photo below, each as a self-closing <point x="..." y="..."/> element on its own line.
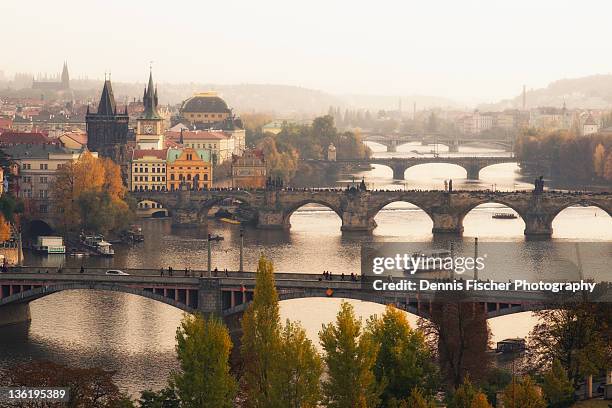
<point x="469" y="54"/>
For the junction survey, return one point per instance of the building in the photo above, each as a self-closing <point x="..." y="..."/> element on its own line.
<point x="249" y="170"/>
<point x="11" y="138"/>
<point x="204" y="109"/>
<point x="107" y="130"/>
<point x="221" y="145"/>
<point x="148" y="170"/>
<point x="589" y="126"/>
<point x="38" y="165"/>
<point x="63" y="84"/>
<point x="150" y="125"/>
<point x="476" y="122"/>
<point x="190" y="168"/>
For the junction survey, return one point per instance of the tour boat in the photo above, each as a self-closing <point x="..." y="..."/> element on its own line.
<point x="230" y="221"/>
<point x="504" y="216"/>
<point x="98" y="244"/>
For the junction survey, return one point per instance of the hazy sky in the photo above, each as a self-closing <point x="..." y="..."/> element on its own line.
<point x="470" y="50"/>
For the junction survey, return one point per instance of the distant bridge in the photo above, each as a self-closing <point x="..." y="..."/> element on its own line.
<point x="472" y="164"/>
<point x="393" y="140"/>
<point x="228" y="295"/>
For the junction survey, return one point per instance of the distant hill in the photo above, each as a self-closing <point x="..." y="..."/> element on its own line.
<point x="282" y="100"/>
<point x="594" y="92"/>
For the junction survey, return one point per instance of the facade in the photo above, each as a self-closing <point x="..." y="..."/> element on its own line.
<point x="204" y="109"/>
<point x="62" y="85"/>
<point x="150" y="125"/>
<point x="221" y="145"/>
<point x="249" y="170"/>
<point x="476" y="122"/>
<point x="589" y="126"/>
<point x="107" y="130"/>
<point x="188" y="168"/>
<point x="38" y="165"/>
<point x="148" y="170"/>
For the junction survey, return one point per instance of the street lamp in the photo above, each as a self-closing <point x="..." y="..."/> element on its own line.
<point x="209" y="256"/>
<point x="241" y="249"/>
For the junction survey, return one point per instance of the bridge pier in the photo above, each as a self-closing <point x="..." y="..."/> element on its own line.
<point x="391" y="148"/>
<point x="15" y="313"/>
<point x="473" y="172"/>
<point x="272" y="219"/>
<point x="352" y="221"/>
<point x="538" y="225"/>
<point x="445" y="223"/>
<point x="210" y="297"/>
<point x="188" y="218"/>
<point x="398" y="171"/>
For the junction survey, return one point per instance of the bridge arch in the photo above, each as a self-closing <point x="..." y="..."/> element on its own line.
<point x="289" y="210"/>
<point x="563" y="227"/>
<point x="580" y="202"/>
<point x="375" y="209"/>
<point x="39" y="292"/>
<point x="520" y="211"/>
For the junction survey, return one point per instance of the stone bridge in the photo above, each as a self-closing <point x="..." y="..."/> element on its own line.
<point x="472" y="165"/>
<point x="357" y="209"/>
<point x="225" y="295"/>
<point x="393" y="141"/>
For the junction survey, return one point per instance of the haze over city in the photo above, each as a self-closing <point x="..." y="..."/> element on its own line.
<point x="470" y="51"/>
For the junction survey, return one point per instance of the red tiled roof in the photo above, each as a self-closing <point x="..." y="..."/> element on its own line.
<point x="139" y="154"/>
<point x="12" y="138"/>
<point x="203" y="135"/>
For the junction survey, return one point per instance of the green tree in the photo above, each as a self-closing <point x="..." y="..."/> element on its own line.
<point x="164" y="398"/>
<point x="203" y="348"/>
<point x="301" y="369"/>
<point x="350" y="358"/>
<point x="557" y="387"/>
<point x="414" y="400"/>
<point x="468" y="396"/>
<point x="261" y="343"/>
<point x="575" y="334"/>
<point x="523" y="394"/>
<point x="405" y="361"/>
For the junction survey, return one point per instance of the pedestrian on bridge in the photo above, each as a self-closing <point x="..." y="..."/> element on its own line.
<point x="161" y="271"/>
<point x="82" y="270"/>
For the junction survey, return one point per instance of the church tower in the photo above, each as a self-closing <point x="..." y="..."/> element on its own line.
<point x="65" y="77"/>
<point x="149" y="128"/>
<point x="107" y="130"/>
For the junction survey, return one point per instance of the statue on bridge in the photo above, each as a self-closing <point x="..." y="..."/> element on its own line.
<point x="539" y="185"/>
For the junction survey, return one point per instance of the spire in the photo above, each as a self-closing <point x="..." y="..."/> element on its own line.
<point x="107" y="100"/>
<point x="149" y="100"/>
<point x="65" y="76"/>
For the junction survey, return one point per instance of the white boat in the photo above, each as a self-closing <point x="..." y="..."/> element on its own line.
<point x="98" y="244"/>
<point x="50" y="245"/>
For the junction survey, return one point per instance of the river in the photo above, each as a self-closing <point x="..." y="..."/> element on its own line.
<point x="135" y="336"/>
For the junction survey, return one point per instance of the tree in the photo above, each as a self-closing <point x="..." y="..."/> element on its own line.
<point x="5" y="229"/>
<point x="350" y="358"/>
<point x="557" y="387"/>
<point x="89" y="387"/>
<point x="165" y="398"/>
<point x="577" y="335"/>
<point x="261" y="343"/>
<point x="523" y="394"/>
<point x="89" y="193"/>
<point x="460" y="333"/>
<point x="608" y="167"/>
<point x="203" y="347"/>
<point x="405" y="361"/>
<point x="415" y="400"/>
<point x="599" y="159"/>
<point x="301" y="369"/>
<point x="468" y="396"/>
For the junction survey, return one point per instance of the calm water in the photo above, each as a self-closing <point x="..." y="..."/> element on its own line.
<point x="135" y="336"/>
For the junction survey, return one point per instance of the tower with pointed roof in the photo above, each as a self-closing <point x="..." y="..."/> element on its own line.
<point x="107" y="129"/>
<point x="149" y="128"/>
<point x="65" y="76"/>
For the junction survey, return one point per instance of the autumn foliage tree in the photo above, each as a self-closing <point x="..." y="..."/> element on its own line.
<point x="459" y="332"/>
<point x="524" y="394"/>
<point x="350" y="357"/>
<point x="203" y="347"/>
<point x="89" y="194"/>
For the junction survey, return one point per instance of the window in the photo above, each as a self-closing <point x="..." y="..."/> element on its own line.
<point x="44" y="166"/>
<point x="172" y="177"/>
<point x="206" y="177"/>
<point x="43" y="208"/>
<point x="43" y="180"/>
<point x="42" y="193"/>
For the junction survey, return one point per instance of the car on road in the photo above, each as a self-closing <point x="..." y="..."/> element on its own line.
<point x="116" y="272"/>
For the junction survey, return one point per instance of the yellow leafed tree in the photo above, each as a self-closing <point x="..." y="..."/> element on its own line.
<point x="5" y="229"/>
<point x="88" y="193"/>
